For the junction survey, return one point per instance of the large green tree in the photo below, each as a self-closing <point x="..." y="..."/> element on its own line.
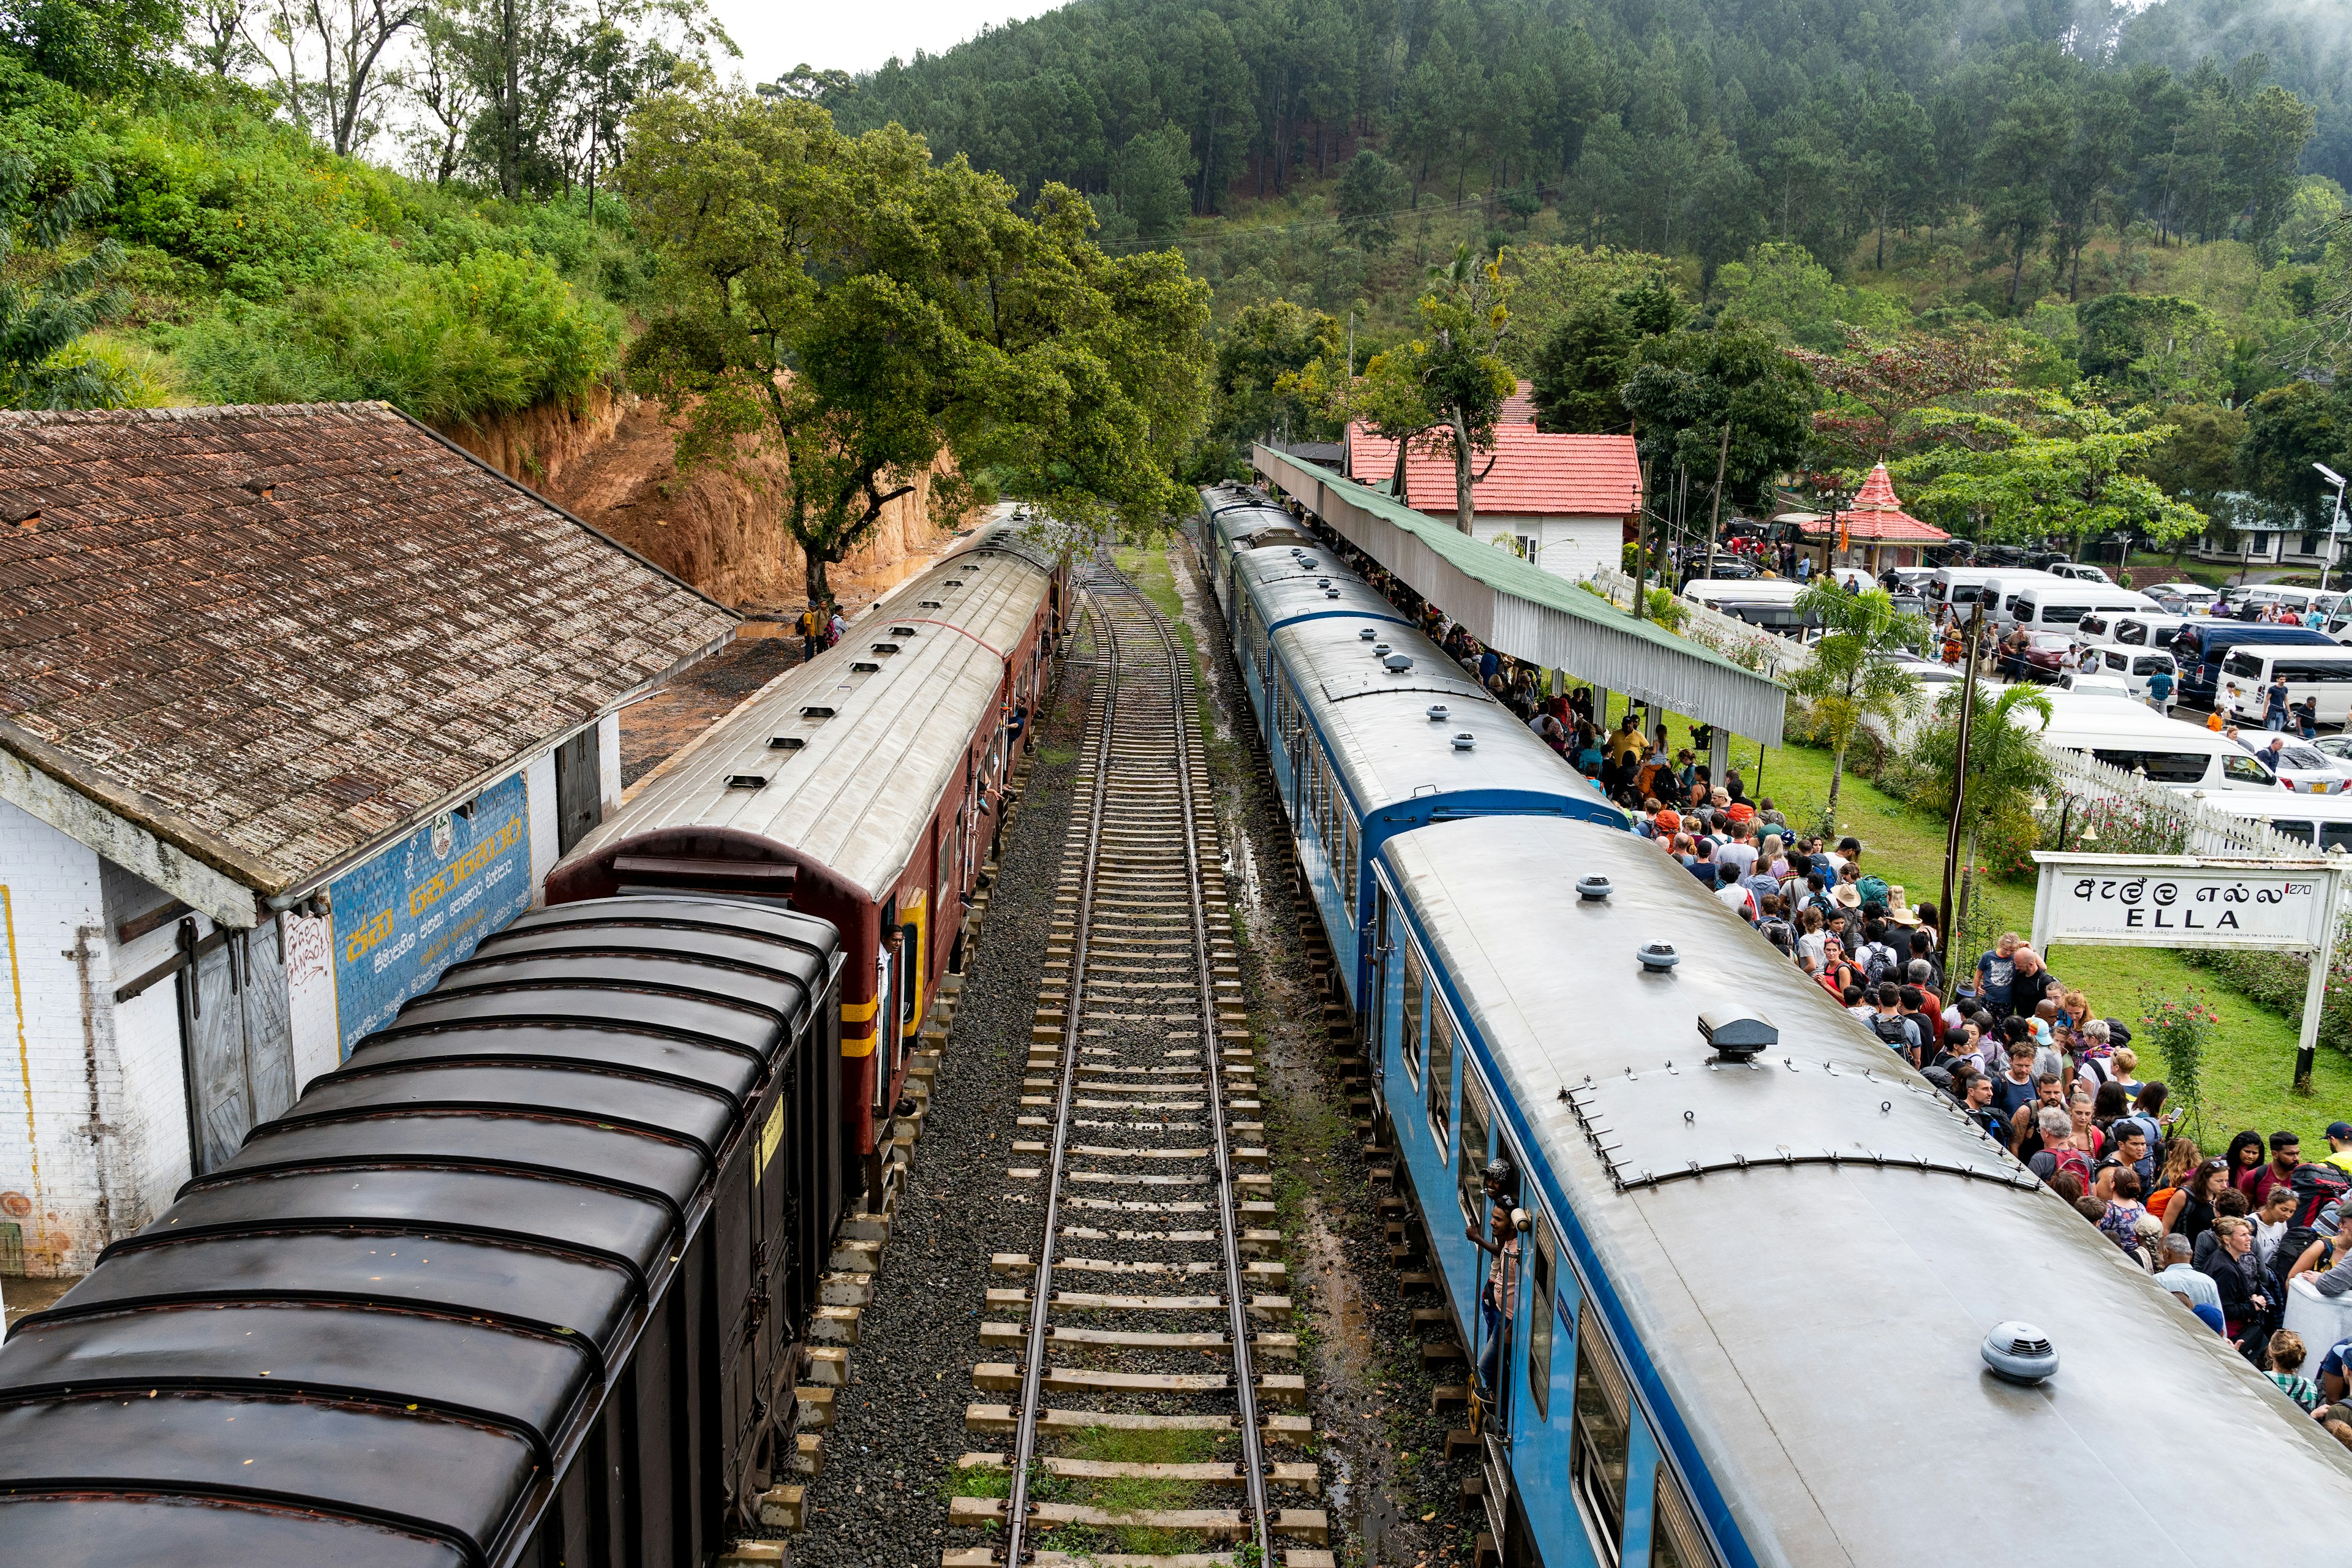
<point x="1370" y="191"/>
<point x="852" y="307"/>
<point x="1445" y="388"/>
<point x="1694" y="385"/>
<point x="1580" y="377"/>
<point x="2047" y="467"/>
<point x="2288" y="429"/>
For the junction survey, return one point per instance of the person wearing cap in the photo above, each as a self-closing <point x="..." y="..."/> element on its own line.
<point x="2339" y="1146"/>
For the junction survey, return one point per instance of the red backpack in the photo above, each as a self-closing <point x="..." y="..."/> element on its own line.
<point x="2072" y="1159"/>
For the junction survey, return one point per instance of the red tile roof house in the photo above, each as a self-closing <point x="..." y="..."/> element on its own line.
<point x="297" y="704"/>
<point x="1568" y="503"/>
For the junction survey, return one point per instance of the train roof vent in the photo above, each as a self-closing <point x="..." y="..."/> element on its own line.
<point x="864" y="667"/>
<point x="926" y="603"/>
<point x="1464" y="740"/>
<point x="747" y="781"/>
<point x="1593" y="887"/>
<point x="1367" y="635"/>
<point x="2019" y="1353"/>
<point x="786" y="742"/>
<point x="1322" y="582"/>
<point x="1657" y="956"/>
<point x="885" y="648"/>
<point x="1330" y="592"/>
<point x="955" y="582"/>
<point x="1734" y="1037"/>
<point x="1437" y="712"/>
<point x="902" y="631"/>
<point x="819" y="714"/>
<point x="1397" y="663"/>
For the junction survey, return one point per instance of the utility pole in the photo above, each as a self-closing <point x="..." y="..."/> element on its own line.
<point x="1714" y="520"/>
<point x="1642" y="545"/>
<point x="2334" y="523"/>
<point x="1959" y="796"/>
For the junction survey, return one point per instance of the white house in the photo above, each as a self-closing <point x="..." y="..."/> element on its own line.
<point x="296" y="705"/>
<point x="1568" y="503"/>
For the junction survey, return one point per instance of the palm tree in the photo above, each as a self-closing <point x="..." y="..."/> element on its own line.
<point x="2006" y="771"/>
<point x="1851" y="675"/>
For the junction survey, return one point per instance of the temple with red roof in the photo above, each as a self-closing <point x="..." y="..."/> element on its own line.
<point x="1568" y="503"/>
<point x="1873" y="531"/>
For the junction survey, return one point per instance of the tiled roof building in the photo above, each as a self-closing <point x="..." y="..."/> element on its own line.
<point x="1568" y="503"/>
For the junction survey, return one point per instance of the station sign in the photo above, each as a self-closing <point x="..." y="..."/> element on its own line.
<point x="2159" y="900"/>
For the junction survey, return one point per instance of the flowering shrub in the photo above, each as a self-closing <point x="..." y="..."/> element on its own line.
<point x="2110" y="825"/>
<point x="2179" y="1031"/>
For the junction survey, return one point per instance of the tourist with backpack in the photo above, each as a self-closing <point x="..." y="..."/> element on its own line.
<point x="1896" y="1032"/>
<point x="2058" y="1152"/>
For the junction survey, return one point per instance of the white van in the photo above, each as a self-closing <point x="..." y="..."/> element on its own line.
<point x="2133" y="665"/>
<point x="2001" y="591"/>
<point x="1957" y="587"/>
<point x="2323" y="824"/>
<point x="2137" y="629"/>
<point x="2299" y="599"/>
<point x="1713" y="591"/>
<point x="2322" y="675"/>
<point x="2128" y="735"/>
<point x="2060" y="606"/>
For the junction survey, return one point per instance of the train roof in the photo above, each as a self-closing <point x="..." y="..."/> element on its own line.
<point x="857" y="748"/>
<point x="377" y="1332"/>
<point x="1377" y="725"/>
<point x="1816" y="1320"/>
<point x="1286" y="585"/>
<point x="1238" y="514"/>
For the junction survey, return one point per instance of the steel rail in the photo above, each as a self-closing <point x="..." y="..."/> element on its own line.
<point x="1228" y="1221"/>
<point x="1041" y="1293"/>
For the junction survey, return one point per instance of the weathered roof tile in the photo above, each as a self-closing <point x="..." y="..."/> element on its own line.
<point x="290" y="629"/>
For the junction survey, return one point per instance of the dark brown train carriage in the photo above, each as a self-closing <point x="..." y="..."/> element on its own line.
<point x="518" y="1284"/>
<point x="862" y="787"/>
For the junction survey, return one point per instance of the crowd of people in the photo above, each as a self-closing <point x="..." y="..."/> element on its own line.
<point x="2027" y="1059"/>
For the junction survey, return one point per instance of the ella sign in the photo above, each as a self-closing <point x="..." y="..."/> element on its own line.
<point x="2166" y="901"/>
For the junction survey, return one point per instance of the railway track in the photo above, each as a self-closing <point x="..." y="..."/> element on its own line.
<point x="1155" y="1368"/>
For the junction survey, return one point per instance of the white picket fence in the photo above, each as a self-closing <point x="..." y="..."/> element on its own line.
<point x="2127" y="811"/>
<point x="1749" y="646"/>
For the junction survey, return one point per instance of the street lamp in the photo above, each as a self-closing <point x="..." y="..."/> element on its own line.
<point x="2335" y="524"/>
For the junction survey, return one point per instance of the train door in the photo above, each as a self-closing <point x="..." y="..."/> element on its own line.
<point x="914" y="954"/>
<point x="1376" y="997"/>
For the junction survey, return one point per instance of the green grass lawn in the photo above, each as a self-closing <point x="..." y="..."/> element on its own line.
<point x="2250" y="1065"/>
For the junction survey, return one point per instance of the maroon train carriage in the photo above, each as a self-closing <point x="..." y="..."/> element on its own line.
<point x="865" y="788"/>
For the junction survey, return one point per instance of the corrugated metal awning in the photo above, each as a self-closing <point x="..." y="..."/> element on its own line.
<point x="1530" y="614"/>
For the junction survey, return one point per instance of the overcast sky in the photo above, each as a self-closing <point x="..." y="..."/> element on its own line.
<point x="855" y="35"/>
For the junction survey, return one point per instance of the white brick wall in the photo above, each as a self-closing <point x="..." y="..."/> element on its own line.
<point x="538" y="792"/>
<point x="71" y="1145"/>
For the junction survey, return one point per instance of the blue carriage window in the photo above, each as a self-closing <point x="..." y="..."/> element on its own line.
<point x="1415" y="987"/>
<point x="1441" y="1074"/>
<point x="1470" y="1161"/>
<point x="1347" y="862"/>
<point x="1675" y="1538"/>
<point x="1538" y="1310"/>
<point x="1597" y="1446"/>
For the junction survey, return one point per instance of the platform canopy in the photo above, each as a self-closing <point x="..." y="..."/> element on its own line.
<point x="1529" y="614"/>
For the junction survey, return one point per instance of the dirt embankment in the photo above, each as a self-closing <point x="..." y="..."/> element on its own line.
<point x="613" y="463"/>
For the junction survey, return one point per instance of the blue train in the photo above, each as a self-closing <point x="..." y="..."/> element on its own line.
<point x="1370" y="730"/>
<point x="1761" y="1272"/>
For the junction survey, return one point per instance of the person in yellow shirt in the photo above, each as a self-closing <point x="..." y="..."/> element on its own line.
<point x="2339" y="1146"/>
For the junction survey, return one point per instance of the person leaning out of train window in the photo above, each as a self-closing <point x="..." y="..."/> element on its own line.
<point x="1500" y="1243"/>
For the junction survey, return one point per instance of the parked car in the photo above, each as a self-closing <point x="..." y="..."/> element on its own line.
<point x="2087" y="685"/>
<point x="2047" y="654"/>
<point x="2081" y="571"/>
<point x="2302" y="766"/>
